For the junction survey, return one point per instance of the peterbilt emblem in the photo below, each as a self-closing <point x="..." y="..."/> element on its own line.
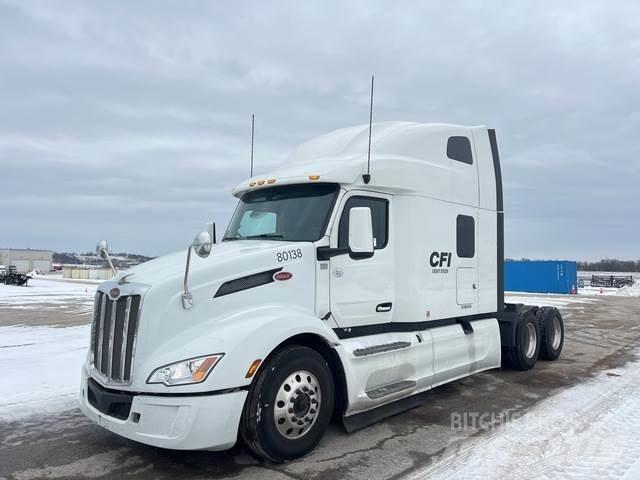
<point x="114" y="293"/>
<point x="283" y="276"/>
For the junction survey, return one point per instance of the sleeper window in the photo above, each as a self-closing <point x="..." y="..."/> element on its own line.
<point x="379" y="220"/>
<point x="466" y="236"/>
<point x="459" y="148"/>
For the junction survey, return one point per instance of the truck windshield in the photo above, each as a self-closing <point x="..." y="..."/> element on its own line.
<point x="294" y="213"/>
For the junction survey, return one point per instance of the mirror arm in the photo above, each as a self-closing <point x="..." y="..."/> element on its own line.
<point x="360" y="255"/>
<point x="187" y="298"/>
<point x="326" y="253"/>
<point x="108" y="258"/>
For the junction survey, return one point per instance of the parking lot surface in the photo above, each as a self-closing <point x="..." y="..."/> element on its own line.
<point x="602" y="333"/>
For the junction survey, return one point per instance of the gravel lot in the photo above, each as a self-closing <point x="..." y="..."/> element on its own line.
<point x="601" y="334"/>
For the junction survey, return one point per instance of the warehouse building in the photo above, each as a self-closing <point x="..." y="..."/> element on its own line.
<point x="26" y="260"/>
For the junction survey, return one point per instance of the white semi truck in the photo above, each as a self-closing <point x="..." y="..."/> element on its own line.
<point x="338" y="286"/>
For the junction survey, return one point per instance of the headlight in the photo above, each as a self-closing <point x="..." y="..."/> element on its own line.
<point x="194" y="370"/>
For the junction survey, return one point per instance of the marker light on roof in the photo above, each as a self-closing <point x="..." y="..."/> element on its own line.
<point x="314" y="177"/>
<point x="260" y="182"/>
<point x="271" y="180"/>
<point x="252" y="184"/>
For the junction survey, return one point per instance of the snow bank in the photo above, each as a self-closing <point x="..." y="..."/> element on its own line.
<point x="40" y="369"/>
<point x="589" y="431"/>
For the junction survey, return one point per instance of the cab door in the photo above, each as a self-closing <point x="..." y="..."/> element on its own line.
<point x="362" y="290"/>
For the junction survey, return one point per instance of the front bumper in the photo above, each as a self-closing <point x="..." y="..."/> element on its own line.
<point x="194" y="422"/>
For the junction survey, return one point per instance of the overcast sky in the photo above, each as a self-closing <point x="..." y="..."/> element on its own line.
<point x="130" y="120"/>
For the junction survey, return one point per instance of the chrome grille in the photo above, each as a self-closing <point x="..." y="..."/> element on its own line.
<point x="113" y="333"/>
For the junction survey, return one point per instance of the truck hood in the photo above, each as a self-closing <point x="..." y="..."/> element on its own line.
<point x="168" y="267"/>
<point x="217" y="319"/>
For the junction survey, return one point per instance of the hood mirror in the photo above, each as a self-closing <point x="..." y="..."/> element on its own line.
<point x="202" y="244"/>
<point x="102" y="249"/>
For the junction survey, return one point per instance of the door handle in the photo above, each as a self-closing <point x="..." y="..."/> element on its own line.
<point x="384" y="307"/>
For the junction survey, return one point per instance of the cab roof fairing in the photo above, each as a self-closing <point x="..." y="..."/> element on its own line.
<point x="405" y="157"/>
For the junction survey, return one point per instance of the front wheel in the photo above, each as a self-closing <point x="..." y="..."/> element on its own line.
<point x="289" y="405"/>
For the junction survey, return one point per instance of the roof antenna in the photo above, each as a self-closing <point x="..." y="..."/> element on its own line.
<point x="252" y="132"/>
<point x="367" y="176"/>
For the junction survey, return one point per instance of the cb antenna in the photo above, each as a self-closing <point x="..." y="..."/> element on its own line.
<point x="367" y="176"/>
<point x="252" y="134"/>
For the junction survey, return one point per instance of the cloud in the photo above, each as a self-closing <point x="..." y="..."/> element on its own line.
<point x="131" y="120"/>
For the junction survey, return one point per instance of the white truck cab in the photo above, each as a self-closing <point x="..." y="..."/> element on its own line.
<point x="334" y="287"/>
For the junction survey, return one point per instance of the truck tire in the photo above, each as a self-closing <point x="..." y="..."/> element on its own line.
<point x="289" y="405"/>
<point x="524" y="354"/>
<point x="551" y="333"/>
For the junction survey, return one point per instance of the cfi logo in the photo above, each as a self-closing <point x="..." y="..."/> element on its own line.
<point x="440" y="259"/>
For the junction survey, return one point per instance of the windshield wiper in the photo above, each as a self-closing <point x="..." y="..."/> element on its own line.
<point x="250" y="237"/>
<point x="265" y="235"/>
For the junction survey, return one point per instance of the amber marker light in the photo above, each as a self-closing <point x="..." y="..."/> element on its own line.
<point x="313" y="178"/>
<point x="203" y="369"/>
<point x="252" y="369"/>
<point x="252" y="184"/>
<point x="271" y="181"/>
<point x="260" y="182"/>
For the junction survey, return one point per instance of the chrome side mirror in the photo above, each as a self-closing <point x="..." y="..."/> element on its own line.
<point x="202" y="244"/>
<point x="102" y="249"/>
<point x="360" y="233"/>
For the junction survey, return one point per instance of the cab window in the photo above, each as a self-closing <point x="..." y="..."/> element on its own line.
<point x="379" y="219"/>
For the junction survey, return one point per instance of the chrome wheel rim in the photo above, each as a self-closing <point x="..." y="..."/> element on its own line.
<point x="531" y="339"/>
<point x="297" y="404"/>
<point x="557" y="333"/>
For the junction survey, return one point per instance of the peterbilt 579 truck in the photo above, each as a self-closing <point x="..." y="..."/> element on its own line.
<point x="340" y="286"/>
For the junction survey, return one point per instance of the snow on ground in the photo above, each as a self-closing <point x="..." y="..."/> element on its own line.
<point x="629" y="291"/>
<point x="545" y="299"/>
<point x="589" y="431"/>
<point x="40" y="368"/>
<point x="39" y="291"/>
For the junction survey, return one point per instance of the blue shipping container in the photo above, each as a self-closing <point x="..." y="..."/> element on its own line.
<point x="540" y="276"/>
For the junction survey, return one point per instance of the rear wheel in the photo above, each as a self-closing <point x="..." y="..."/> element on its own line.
<point x="551" y="333"/>
<point x="524" y="354"/>
<point x="289" y="405"/>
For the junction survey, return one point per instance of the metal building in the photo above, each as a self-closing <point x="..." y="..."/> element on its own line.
<point x="541" y="276"/>
<point x="26" y="260"/>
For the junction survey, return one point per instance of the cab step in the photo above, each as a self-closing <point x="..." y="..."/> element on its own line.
<point x="385" y="347"/>
<point x="380" y="392"/>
